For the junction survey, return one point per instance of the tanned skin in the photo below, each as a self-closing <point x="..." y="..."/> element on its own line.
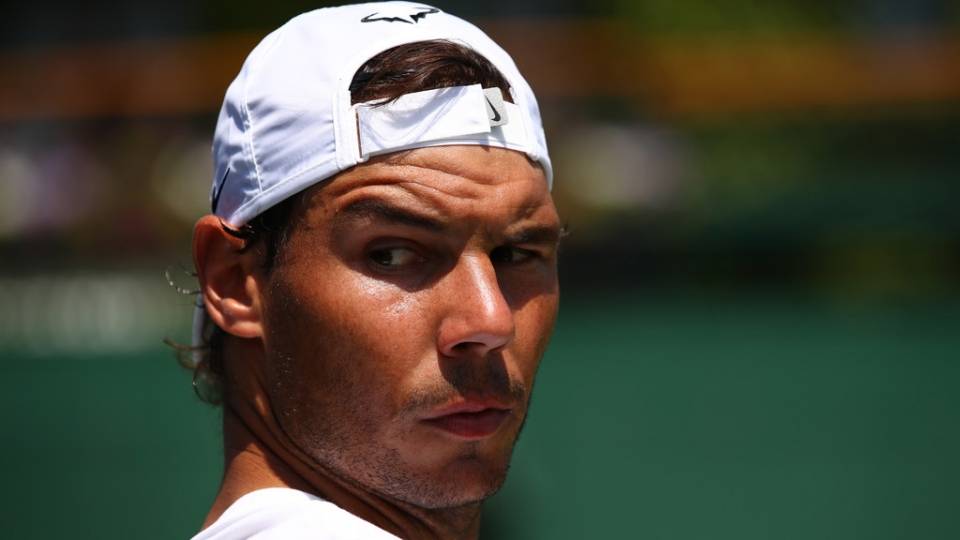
<point x="385" y="363"/>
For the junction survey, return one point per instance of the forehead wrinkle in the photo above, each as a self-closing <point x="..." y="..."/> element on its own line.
<point x="469" y="168"/>
<point x="376" y="209"/>
<point x="329" y="199"/>
<point x="385" y="174"/>
<point x="416" y="188"/>
<point x="434" y="188"/>
<point x="527" y="222"/>
<point x="435" y="159"/>
<point x="468" y="187"/>
<point x="395" y="193"/>
<point x="484" y="208"/>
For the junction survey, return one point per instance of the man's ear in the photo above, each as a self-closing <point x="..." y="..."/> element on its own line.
<point x="229" y="287"/>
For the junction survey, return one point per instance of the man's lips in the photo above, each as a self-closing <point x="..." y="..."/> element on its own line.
<point x="469" y="420"/>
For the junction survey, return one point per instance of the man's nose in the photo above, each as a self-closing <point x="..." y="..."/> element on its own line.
<point x="478" y="318"/>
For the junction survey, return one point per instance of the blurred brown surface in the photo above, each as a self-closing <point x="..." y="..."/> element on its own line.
<point x="562" y="59"/>
<point x="142" y="78"/>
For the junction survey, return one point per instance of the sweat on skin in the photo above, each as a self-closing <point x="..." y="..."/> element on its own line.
<point x="385" y="362"/>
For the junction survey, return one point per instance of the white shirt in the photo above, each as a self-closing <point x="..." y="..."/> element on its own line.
<point x="283" y="513"/>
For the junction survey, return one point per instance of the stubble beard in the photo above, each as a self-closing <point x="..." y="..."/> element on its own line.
<point x="346" y="452"/>
<point x="343" y="445"/>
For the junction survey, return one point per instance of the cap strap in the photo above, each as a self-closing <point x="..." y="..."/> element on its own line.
<point x="453" y="115"/>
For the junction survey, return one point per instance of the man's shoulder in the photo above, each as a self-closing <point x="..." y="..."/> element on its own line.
<point x="276" y="513"/>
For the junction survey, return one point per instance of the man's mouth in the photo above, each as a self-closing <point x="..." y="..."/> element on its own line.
<point x="469" y="420"/>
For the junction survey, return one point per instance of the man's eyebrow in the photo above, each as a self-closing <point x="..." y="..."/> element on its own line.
<point x="379" y="210"/>
<point x="536" y="234"/>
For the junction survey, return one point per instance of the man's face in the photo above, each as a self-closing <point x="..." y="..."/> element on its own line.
<point x="406" y="317"/>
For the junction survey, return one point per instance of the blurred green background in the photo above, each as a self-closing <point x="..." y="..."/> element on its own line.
<point x="759" y="322"/>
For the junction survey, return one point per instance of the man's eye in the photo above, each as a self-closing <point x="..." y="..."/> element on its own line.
<point x="394" y="257"/>
<point x="511" y="255"/>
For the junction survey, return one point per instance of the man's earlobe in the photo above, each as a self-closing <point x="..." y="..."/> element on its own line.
<point x="225" y="271"/>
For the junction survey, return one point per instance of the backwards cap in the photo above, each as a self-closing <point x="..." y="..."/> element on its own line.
<point x="287" y="120"/>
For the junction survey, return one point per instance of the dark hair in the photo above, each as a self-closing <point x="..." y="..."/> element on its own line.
<point x="412" y="67"/>
<point x="423" y="65"/>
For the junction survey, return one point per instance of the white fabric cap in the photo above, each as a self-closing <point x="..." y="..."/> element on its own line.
<point x="287" y="121"/>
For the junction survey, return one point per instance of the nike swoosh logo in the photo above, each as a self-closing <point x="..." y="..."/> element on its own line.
<point x="496" y="115"/>
<point x="215" y="200"/>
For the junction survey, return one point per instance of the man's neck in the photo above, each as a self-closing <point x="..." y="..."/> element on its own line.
<point x="256" y="456"/>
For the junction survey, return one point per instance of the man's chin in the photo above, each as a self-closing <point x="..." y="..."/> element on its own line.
<point x="466" y="482"/>
<point x="456" y="496"/>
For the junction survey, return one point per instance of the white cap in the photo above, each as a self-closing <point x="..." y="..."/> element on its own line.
<point x="288" y="121"/>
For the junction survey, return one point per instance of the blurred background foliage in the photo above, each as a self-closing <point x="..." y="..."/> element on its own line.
<point x="759" y="324"/>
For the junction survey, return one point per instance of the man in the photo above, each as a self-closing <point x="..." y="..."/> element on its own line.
<point x="378" y="276"/>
